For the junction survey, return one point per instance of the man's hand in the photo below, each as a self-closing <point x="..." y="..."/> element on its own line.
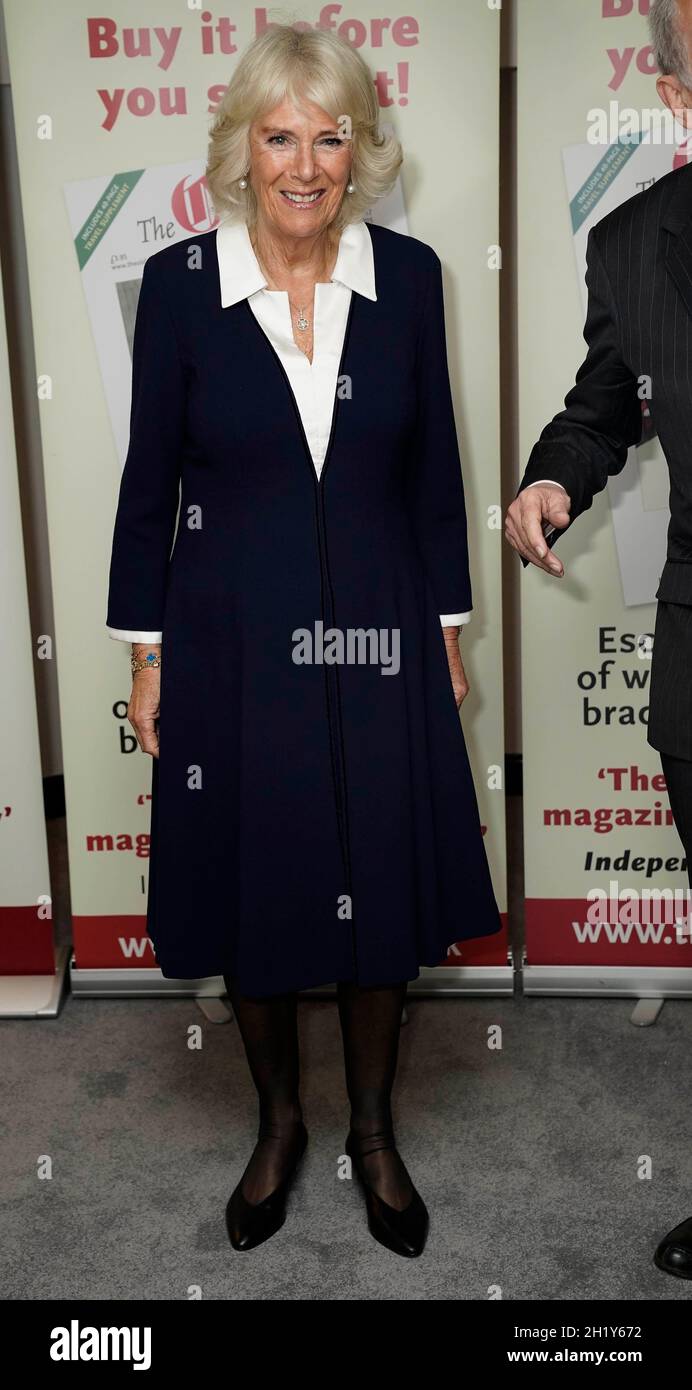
<point x="523" y="530"/>
<point x="460" y="685"/>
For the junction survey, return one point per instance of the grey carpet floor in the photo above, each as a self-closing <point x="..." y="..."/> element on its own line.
<point x="527" y="1157"/>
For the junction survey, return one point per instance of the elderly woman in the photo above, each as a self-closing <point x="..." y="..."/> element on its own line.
<point x="296" y="668"/>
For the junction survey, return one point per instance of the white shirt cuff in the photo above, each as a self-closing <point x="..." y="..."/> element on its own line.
<point x="124" y="635"/>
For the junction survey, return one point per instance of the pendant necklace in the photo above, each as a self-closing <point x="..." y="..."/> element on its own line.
<point x="302" y="321"/>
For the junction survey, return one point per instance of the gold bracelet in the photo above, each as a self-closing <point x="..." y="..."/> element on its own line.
<point x="152" y="660"/>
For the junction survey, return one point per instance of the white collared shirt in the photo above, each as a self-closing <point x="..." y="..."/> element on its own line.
<point x="313" y="383"/>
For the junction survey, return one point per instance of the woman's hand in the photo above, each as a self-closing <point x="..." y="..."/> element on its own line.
<point x="460" y="685"/>
<point x="143" y="708"/>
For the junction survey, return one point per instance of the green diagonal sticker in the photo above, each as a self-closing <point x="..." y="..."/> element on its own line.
<point x="598" y="183"/>
<point x="100" y="219"/>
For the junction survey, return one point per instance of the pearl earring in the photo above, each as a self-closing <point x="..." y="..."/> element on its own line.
<point x="350" y="187"/>
<point x="242" y="183"/>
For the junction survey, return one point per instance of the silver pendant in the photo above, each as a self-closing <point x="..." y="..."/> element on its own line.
<point x="301" y="320"/>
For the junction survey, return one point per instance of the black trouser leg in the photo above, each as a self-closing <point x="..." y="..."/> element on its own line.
<point x="678" y="775"/>
<point x="370" y="1025"/>
<point x="269" y="1031"/>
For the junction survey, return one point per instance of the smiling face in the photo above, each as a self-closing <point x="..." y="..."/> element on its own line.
<point x="299" y="168"/>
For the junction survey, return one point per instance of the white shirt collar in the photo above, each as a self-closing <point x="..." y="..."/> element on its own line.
<point x="240" y="274"/>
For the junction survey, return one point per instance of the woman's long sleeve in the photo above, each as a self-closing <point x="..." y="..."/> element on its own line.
<point x="437" y="503"/>
<point x="150" y="484"/>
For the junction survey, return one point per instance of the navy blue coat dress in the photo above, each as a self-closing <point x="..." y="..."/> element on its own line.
<point x="309" y="822"/>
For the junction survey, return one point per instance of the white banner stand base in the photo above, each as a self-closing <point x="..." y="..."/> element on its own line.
<point x="645" y="1012"/>
<point x="129" y="981"/>
<point x="464" y="979"/>
<point x="449" y="980"/>
<point x="34" y="996"/>
<point x="639" y="981"/>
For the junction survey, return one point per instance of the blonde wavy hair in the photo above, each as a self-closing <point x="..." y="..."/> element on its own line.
<point x="312" y="65"/>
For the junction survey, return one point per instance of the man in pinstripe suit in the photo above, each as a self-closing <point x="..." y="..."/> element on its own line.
<point x="638" y="324"/>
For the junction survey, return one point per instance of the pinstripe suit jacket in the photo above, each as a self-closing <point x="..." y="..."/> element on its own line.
<point x="639" y="323"/>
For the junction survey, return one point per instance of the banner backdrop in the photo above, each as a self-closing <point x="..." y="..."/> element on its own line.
<point x="112" y="110"/>
<point x="26" y="924"/>
<point x="597" y="816"/>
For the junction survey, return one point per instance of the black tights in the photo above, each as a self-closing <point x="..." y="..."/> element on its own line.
<point x="370" y="1020"/>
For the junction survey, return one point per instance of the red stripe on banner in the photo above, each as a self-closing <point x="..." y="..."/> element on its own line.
<point x="104" y="943"/>
<point x="26" y="942"/>
<point x="481" y="950"/>
<point x="111" y="942"/>
<point x="559" y="932"/>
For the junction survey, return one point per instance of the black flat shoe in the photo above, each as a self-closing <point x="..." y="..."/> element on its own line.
<point x="251" y="1223"/>
<point x="674" y="1254"/>
<point x="403" y="1232"/>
